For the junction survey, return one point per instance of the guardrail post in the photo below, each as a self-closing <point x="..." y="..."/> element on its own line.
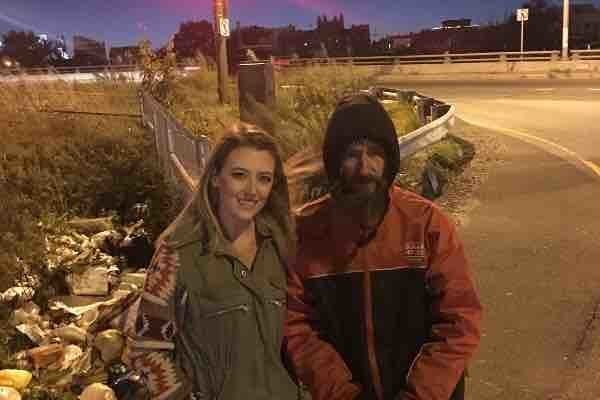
<point x="575" y="56"/>
<point x="503" y="58"/>
<point x="554" y="57"/>
<point x="447" y="58"/>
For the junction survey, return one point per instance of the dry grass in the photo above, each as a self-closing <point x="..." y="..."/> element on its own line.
<point x="57" y="165"/>
<point x="305" y="99"/>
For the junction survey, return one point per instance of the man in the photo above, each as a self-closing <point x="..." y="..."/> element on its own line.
<point x="381" y="304"/>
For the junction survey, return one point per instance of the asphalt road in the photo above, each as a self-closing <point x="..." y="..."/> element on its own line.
<point x="534" y="239"/>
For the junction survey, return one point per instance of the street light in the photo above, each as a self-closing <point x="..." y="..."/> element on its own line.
<point x="565" y="34"/>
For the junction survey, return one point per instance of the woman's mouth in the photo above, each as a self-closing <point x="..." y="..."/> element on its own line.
<point x="247" y="204"/>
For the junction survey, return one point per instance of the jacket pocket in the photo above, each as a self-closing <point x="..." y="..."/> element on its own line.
<point x="227" y="310"/>
<point x="276" y="303"/>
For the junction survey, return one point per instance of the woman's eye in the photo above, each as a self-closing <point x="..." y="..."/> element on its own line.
<point x="237" y="175"/>
<point x="266" y="179"/>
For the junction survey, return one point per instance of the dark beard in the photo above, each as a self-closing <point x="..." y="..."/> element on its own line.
<point x="367" y="207"/>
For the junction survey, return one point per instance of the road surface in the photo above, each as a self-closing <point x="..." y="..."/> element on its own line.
<point x="534" y="241"/>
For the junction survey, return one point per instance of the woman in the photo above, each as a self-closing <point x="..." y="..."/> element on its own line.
<point x="211" y="316"/>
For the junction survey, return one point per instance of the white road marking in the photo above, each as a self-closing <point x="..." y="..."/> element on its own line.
<point x="515" y="133"/>
<point x="545" y="89"/>
<point x="594" y="89"/>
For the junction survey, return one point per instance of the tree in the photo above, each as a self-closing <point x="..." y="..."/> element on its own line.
<point x="194" y="38"/>
<point x="29" y="50"/>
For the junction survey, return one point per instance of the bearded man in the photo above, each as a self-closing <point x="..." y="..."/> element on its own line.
<point x="381" y="303"/>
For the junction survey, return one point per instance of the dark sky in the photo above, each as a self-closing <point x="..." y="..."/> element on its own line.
<point x="123" y="22"/>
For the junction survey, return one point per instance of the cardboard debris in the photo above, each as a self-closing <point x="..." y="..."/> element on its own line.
<point x="45" y="355"/>
<point x="91" y="282"/>
<point x="36" y="334"/>
<point x="91" y="225"/>
<point x="17" y="294"/>
<point x="71" y="353"/>
<point x="80" y="337"/>
<point x="70" y="333"/>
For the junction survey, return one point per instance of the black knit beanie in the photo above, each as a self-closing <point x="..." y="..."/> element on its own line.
<point x="358" y="117"/>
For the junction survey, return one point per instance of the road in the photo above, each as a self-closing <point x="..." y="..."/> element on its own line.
<point x="534" y="240"/>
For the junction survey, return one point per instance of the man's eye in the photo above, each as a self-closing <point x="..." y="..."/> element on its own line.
<point x="238" y="175"/>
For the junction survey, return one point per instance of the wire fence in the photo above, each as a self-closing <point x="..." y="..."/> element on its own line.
<point x="182" y="155"/>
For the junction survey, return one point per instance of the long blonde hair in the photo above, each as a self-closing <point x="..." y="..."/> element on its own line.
<point x="277" y="208"/>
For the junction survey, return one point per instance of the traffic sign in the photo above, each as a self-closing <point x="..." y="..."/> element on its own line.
<point x="224" y="27"/>
<point x="522" y="14"/>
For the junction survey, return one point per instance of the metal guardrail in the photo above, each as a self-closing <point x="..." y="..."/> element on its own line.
<point x="183" y="156"/>
<point x="99" y="69"/>
<point x="437" y="117"/>
<point x="446" y="58"/>
<point x="585" y="55"/>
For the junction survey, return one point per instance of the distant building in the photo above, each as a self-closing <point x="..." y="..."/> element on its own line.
<point x="88" y="51"/>
<point x="330" y="38"/>
<point x="584" y="26"/>
<point x="125" y="55"/>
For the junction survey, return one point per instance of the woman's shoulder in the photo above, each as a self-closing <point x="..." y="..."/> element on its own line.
<point x="184" y="231"/>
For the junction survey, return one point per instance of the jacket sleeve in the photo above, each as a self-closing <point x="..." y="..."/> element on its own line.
<point x="152" y="347"/>
<point x="456" y="311"/>
<point x="315" y="362"/>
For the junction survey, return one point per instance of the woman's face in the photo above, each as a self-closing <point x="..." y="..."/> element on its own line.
<point x="244" y="183"/>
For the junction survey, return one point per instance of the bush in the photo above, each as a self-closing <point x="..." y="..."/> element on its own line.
<point x="55" y="166"/>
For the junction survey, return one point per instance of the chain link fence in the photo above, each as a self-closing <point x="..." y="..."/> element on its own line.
<point x="182" y="155"/>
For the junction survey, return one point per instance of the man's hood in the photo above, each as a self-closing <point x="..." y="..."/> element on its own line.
<point x="360" y="117"/>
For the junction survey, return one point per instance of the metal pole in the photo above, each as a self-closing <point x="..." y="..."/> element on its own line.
<point x="522" y="31"/>
<point x="565" y="34"/>
<point x="221" y="13"/>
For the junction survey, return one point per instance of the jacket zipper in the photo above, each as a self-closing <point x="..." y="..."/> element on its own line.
<point x="241" y="307"/>
<point x="278" y="303"/>
<point x="370" y="333"/>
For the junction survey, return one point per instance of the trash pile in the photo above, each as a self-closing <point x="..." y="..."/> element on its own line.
<point x="76" y="343"/>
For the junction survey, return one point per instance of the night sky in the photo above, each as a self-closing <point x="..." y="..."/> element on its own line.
<point x="124" y="22"/>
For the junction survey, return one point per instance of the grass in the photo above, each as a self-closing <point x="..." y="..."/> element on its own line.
<point x="55" y="166"/>
<point x="304" y="101"/>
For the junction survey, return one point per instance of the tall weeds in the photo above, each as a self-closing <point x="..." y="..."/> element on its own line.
<point x="56" y="165"/>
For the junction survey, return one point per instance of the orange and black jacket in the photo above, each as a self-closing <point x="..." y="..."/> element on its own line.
<point x="397" y="318"/>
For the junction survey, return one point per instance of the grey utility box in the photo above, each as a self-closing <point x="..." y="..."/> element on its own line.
<point x="255" y="81"/>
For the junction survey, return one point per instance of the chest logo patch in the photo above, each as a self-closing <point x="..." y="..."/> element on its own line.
<point x="415" y="252"/>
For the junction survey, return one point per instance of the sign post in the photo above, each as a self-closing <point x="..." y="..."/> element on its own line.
<point x="221" y="13"/>
<point x="522" y="16"/>
<point x="565" y="31"/>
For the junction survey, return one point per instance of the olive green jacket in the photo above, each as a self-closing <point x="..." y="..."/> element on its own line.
<point x="207" y="326"/>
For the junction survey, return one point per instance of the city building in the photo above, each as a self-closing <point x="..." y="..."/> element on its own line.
<point x="124" y="55"/>
<point x="584" y="26"/>
<point x="330" y="38"/>
<point x="88" y="51"/>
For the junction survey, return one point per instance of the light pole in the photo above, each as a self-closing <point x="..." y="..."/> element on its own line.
<point x="221" y="13"/>
<point x="565" y="31"/>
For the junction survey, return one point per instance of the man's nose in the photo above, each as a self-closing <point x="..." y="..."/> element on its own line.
<point x="365" y="164"/>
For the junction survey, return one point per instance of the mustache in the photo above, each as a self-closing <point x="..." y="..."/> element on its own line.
<point x="363" y="180"/>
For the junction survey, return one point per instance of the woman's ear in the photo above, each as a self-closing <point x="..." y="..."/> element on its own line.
<point x="214" y="180"/>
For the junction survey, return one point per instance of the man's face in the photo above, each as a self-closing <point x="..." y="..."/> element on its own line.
<point x="362" y="167"/>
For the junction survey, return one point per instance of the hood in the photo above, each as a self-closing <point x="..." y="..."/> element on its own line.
<point x="357" y="117"/>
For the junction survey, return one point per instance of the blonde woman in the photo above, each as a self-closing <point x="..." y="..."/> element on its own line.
<point x="210" y="322"/>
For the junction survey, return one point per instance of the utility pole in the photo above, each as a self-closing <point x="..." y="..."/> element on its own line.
<point x="565" y="31"/>
<point x="221" y="13"/>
